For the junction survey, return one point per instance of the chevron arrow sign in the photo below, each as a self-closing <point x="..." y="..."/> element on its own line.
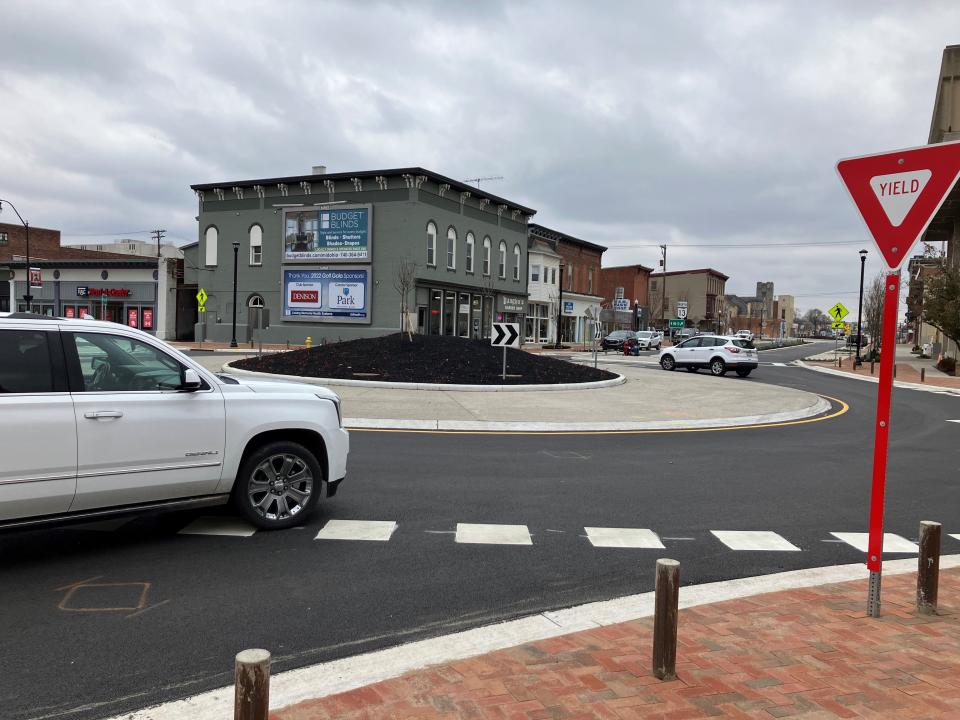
<point x="505" y="335"/>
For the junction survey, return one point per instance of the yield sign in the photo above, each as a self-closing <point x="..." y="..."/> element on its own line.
<point x="898" y="193"/>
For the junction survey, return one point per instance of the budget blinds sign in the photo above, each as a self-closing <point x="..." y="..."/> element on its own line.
<point x="327" y="295"/>
<point x="333" y="234"/>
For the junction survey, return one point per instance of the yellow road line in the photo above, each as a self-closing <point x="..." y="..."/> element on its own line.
<point x="837" y="413"/>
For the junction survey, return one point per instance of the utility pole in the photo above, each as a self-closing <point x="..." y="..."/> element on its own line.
<point x="158" y="236"/>
<point x="663" y="297"/>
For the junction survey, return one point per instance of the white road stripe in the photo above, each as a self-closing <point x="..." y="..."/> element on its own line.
<point x="376" y="530"/>
<point x="891" y="543"/>
<point x="956" y="421"/>
<point x="483" y="534"/>
<point x="779" y="364"/>
<point x="215" y="525"/>
<point x="623" y="537"/>
<point x="955" y="537"/>
<point x="754" y="540"/>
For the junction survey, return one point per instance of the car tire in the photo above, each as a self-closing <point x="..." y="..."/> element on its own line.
<point x="692" y="368"/>
<point x="718" y="367"/>
<point x="274" y="507"/>
<point x="668" y="363"/>
<point x="743" y="372"/>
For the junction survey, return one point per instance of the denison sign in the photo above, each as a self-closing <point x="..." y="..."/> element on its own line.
<point x="327" y="294"/>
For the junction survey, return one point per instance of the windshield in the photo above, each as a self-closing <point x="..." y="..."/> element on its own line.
<point x="620" y="334"/>
<point x="644" y="334"/>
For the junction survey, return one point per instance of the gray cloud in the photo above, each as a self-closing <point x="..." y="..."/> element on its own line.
<point x="623" y="123"/>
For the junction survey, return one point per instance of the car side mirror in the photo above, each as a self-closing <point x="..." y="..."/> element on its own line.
<point x="191" y="381"/>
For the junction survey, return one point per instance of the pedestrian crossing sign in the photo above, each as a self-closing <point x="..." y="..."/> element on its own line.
<point x="839" y="312"/>
<point x="838" y="325"/>
<point x="202" y="297"/>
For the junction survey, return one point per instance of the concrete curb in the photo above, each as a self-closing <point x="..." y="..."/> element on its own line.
<point x="338" y="676"/>
<point x="818" y="408"/>
<point x="618" y="380"/>
<point x="896" y="383"/>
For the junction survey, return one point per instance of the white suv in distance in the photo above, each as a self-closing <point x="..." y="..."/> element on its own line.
<point x="649" y="339"/>
<point x="744" y="335"/>
<point x="718" y="353"/>
<point x="99" y="419"/>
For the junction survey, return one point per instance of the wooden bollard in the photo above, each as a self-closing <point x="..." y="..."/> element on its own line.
<point x="665" y="614"/>
<point x="840" y="363"/>
<point x="894" y="371"/>
<point x="923" y="374"/>
<point x="871" y="367"/>
<point x="251" y="693"/>
<point x="928" y="568"/>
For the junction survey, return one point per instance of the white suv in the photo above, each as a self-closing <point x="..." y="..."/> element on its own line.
<point x="715" y="352"/>
<point x="98" y="418"/>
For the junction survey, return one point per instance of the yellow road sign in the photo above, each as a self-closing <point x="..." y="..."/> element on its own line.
<point x="202" y="309"/>
<point x="202" y="297"/>
<point x="839" y="312"/>
<point x="838" y="325"/>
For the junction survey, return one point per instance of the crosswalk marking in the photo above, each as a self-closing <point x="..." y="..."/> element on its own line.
<point x="754" y="540"/>
<point x="485" y="534"/>
<point x="955" y="537"/>
<point x="891" y="543"/>
<point x="375" y="530"/>
<point x="778" y="364"/>
<point x="215" y="525"/>
<point x="623" y="537"/>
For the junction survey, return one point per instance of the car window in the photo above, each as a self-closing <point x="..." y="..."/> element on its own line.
<point x="25" y="362"/>
<point x="747" y="344"/>
<point x="693" y="342"/>
<point x="113" y="363"/>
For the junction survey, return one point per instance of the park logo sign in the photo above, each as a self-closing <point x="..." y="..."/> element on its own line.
<point x="899" y="192"/>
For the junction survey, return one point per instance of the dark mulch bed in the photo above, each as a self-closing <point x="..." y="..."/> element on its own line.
<point x="428" y="359"/>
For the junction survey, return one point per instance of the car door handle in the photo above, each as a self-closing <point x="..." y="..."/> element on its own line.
<point x="101" y="414"/>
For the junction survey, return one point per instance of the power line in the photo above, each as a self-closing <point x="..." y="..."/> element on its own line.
<point x="107" y="234"/>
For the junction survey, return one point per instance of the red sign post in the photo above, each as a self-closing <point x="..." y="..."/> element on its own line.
<point x="897" y="194"/>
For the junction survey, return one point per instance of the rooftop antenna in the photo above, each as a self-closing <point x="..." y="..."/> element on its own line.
<point x="478" y="179"/>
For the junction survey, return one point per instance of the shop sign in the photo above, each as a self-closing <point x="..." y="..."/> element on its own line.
<point x="567" y="308"/>
<point x="85" y="291"/>
<point x="334" y="234"/>
<point x="621" y="304"/>
<point x="147" y="317"/>
<point x="327" y="295"/>
<point x="512" y="304"/>
<point x="132" y="314"/>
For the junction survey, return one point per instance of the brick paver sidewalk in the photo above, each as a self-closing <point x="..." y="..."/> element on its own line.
<point x="810" y="653"/>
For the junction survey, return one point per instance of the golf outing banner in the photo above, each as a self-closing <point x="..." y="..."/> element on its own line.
<point x="340" y="233"/>
<point x="327" y="294"/>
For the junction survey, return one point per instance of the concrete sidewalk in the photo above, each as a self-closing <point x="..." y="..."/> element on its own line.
<point x="809" y="652"/>
<point x="908" y="368"/>
<point x="650" y="399"/>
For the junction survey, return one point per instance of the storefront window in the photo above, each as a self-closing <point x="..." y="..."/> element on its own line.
<point x="463" y="315"/>
<point x="436" y="311"/>
<point x="449" y="313"/>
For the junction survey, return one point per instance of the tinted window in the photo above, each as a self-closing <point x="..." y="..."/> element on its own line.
<point x="113" y="363"/>
<point x="695" y="342"/>
<point x="25" y="362"/>
<point x="743" y="344"/>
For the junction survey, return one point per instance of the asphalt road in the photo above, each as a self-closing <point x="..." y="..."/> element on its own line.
<point x="194" y="601"/>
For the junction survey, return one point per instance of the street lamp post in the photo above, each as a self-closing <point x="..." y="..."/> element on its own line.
<point x="863" y="261"/>
<point x="236" y="251"/>
<point x="27" y="298"/>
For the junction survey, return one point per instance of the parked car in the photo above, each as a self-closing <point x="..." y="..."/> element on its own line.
<point x="744" y="335"/>
<point x="643" y="340"/>
<point x="718" y="353"/>
<point x="614" y="341"/>
<point x="98" y="418"/>
<point x="684" y="333"/>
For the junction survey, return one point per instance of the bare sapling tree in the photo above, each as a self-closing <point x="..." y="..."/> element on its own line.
<point x="403" y="281"/>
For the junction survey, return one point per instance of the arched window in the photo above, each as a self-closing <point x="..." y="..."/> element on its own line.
<point x="255" y="301"/>
<point x="469" y="260"/>
<point x="516" y="262"/>
<point x="451" y="248"/>
<point x="431" y="244"/>
<point x="210" y="244"/>
<point x="502" y="261"/>
<point x="486" y="256"/>
<point x="256" y="246"/>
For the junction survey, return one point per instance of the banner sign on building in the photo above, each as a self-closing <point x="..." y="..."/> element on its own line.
<point x="132" y="316"/>
<point x="567" y="308"/>
<point x="327" y="294"/>
<point x="339" y="233"/>
<point x="147" y="315"/>
<point x="35" y="279"/>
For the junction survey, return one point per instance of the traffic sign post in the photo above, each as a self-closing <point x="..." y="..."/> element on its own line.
<point x="897" y="194"/>
<point x="505" y="335"/>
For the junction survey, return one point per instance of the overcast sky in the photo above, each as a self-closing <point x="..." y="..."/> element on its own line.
<point x="627" y="124"/>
